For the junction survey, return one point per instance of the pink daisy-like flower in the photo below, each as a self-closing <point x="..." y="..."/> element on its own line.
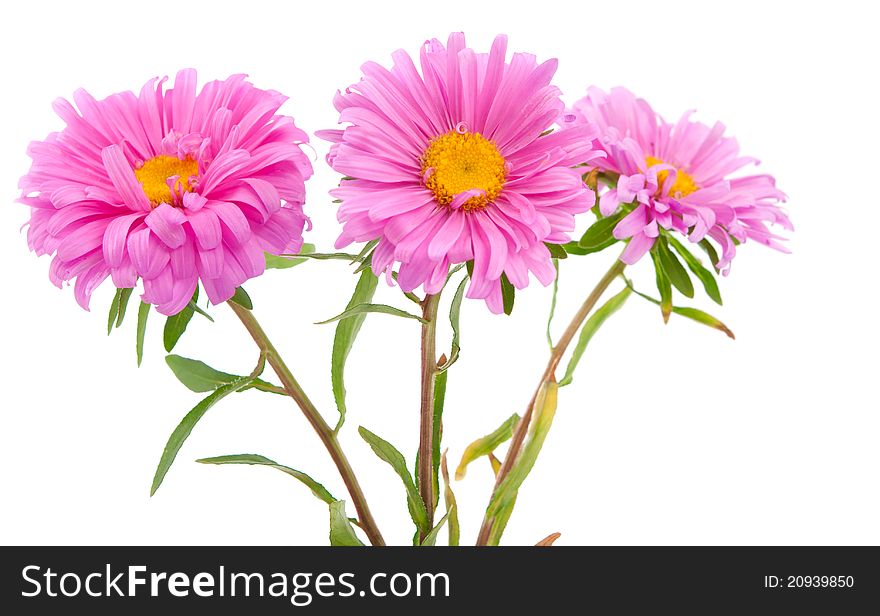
<point x="168" y="186"/>
<point x="452" y="164"/>
<point x="678" y="177"/>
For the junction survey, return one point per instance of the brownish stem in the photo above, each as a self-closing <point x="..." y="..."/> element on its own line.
<point x="549" y="375"/>
<point x="324" y="431"/>
<point x="426" y="414"/>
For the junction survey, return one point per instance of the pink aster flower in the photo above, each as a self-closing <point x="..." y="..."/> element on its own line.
<point x="678" y="177"/>
<point x="449" y="165"/>
<point x="168" y="186"/>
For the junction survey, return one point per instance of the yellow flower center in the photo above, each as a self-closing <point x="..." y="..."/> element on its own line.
<point x="154" y="173"/>
<point x="684" y="183"/>
<point x="460" y="161"/>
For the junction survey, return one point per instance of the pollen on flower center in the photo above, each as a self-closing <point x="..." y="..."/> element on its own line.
<point x="458" y="162"/>
<point x="684" y="184"/>
<point x="166" y="178"/>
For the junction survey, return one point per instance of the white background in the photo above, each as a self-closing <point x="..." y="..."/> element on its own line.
<point x="669" y="435"/>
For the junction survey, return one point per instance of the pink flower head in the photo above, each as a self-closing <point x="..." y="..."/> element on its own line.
<point x="168" y="186"/>
<point x="677" y="175"/>
<point x="449" y="165"/>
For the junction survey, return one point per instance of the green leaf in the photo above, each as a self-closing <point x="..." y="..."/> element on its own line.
<point x="556" y="251"/>
<point x="242" y="298"/>
<point x="500" y="522"/>
<point x="455" y="322"/>
<point x="431" y="538"/>
<point x="197" y="375"/>
<point x="343" y="340"/>
<point x="117" y="308"/>
<point x="114" y="311"/>
<point x="573" y="248"/>
<point x="439" y="400"/>
<point x="317" y="489"/>
<point x="285" y="262"/>
<point x="143" y="313"/>
<point x="508" y="294"/>
<point x="366" y="251"/>
<point x="596" y="320"/>
<point x="600" y="232"/>
<point x="673" y="268"/>
<point x="470" y="268"/>
<point x="486" y="445"/>
<point x="123" y="304"/>
<point x="553" y="304"/>
<point x="451" y="505"/>
<point x="185" y="427"/>
<point x="365" y="308"/>
<point x="692" y="313"/>
<point x="387" y="452"/>
<point x="175" y="325"/>
<point x="543" y="413"/>
<point x="710" y="250"/>
<point x="703" y="317"/>
<point x="341" y="531"/>
<point x="198" y="310"/>
<point x="664" y="287"/>
<point x="705" y="276"/>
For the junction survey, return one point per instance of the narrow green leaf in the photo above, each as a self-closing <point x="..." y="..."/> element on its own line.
<point x="242" y="298"/>
<point x="596" y="320"/>
<point x="365" y="308"/>
<point x="673" y="268"/>
<point x="143" y="313"/>
<point x="600" y="232"/>
<point x="175" y="325"/>
<point x="286" y="262"/>
<point x="114" y="311"/>
<point x="502" y="517"/>
<point x="556" y="251"/>
<point x="573" y="248"/>
<point x="455" y="322"/>
<point x="486" y="445"/>
<point x="197" y="375"/>
<point x="664" y="287"/>
<point x="185" y="427"/>
<point x="366" y="251"/>
<point x="430" y="539"/>
<point x="470" y="268"/>
<point x="553" y="304"/>
<point x="388" y="453"/>
<point x="543" y="413"/>
<point x="123" y="304"/>
<point x="692" y="313"/>
<point x="451" y="505"/>
<point x="198" y="310"/>
<point x="343" y="340"/>
<point x="710" y="250"/>
<point x="703" y="317"/>
<point x="317" y="489"/>
<point x="341" y="531"/>
<point x="117" y="308"/>
<point x="508" y="294"/>
<point x="704" y="275"/>
<point x="439" y="401"/>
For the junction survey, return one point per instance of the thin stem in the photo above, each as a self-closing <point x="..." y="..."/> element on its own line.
<point x="324" y="431"/>
<point x="426" y="415"/>
<point x="549" y="375"/>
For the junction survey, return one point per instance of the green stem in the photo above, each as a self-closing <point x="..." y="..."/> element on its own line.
<point x="426" y="415"/>
<point x="549" y="375"/>
<point x="324" y="431"/>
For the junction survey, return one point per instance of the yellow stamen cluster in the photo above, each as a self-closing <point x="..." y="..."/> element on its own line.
<point x="154" y="173"/>
<point x="684" y="183"/>
<point x="461" y="161"/>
